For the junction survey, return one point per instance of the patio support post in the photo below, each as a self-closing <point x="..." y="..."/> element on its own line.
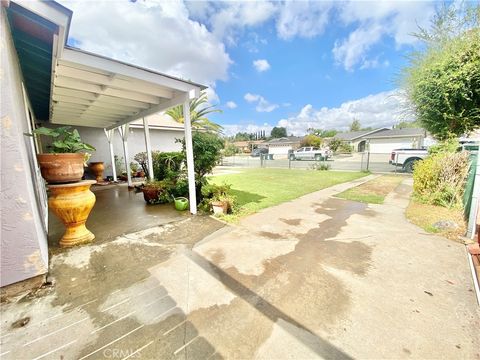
<point x="109" y="134"/>
<point x="190" y="163"/>
<point x="146" y="131"/>
<point x="123" y="130"/>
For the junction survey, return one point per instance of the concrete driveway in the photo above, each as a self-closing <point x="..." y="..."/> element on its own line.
<point x="318" y="277"/>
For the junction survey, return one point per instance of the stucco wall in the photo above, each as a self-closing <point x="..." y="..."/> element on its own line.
<point x="162" y="140"/>
<point x="24" y="250"/>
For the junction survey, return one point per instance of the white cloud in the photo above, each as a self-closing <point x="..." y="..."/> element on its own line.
<point x="395" y="19"/>
<point x="352" y="51"/>
<point x="232" y="17"/>
<point x="263" y="105"/>
<point x="302" y="18"/>
<point x="157" y="35"/>
<point x="231" y="105"/>
<point x="261" y="65"/>
<point x="251" y="97"/>
<point x="382" y="109"/>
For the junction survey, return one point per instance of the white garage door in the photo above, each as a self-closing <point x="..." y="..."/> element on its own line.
<point x="280" y="150"/>
<point x="385" y="146"/>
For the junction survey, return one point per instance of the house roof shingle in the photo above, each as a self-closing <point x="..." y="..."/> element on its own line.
<point x="397" y="133"/>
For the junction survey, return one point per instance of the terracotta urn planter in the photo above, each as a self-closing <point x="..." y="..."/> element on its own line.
<point x="72" y="203"/>
<point x="97" y="168"/>
<point x="219" y="207"/>
<point x="61" y="168"/>
<point x="151" y="194"/>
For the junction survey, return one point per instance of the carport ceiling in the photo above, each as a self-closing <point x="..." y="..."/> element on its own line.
<point x="90" y="90"/>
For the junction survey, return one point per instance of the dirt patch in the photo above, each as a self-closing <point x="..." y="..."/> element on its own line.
<point x="373" y="191"/>
<point x="426" y="216"/>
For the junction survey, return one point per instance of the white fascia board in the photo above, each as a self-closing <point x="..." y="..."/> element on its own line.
<point x="154" y="109"/>
<point x="116" y="67"/>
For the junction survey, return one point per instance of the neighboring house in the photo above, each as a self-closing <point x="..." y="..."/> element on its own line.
<point x="164" y="131"/>
<point x="385" y="141"/>
<point x="248" y="145"/>
<point x="356" y="139"/>
<point x="282" y="146"/>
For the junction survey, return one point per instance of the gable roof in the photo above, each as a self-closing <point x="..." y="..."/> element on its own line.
<point x="285" y="140"/>
<point x="353" y="135"/>
<point x="397" y="133"/>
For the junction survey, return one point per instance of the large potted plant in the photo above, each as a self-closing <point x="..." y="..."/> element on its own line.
<point x="66" y="157"/>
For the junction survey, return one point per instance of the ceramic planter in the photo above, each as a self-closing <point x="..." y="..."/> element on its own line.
<point x="219" y="207"/>
<point x="151" y="194"/>
<point x="97" y="169"/>
<point x="72" y="203"/>
<point x="61" y="168"/>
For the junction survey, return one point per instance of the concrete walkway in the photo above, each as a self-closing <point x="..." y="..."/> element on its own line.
<point x="317" y="277"/>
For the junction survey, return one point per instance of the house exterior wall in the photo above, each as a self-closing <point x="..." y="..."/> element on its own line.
<point x="161" y="140"/>
<point x="387" y="145"/>
<point x="24" y="250"/>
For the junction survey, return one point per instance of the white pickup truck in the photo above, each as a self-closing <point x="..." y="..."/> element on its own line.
<point x="406" y="158"/>
<point x="311" y="153"/>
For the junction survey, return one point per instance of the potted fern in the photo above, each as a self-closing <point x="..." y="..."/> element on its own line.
<point x="67" y="154"/>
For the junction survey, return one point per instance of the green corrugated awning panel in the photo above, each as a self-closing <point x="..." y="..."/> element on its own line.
<point x="34" y="54"/>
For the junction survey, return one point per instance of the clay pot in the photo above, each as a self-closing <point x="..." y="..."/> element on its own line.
<point x="219" y="207"/>
<point x="72" y="203"/>
<point x="61" y="168"/>
<point x="97" y="169"/>
<point x="150" y="194"/>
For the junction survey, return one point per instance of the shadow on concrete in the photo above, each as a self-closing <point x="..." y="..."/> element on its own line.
<point x="322" y="347"/>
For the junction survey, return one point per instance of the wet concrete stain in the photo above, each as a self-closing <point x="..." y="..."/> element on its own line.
<point x="292" y="222"/>
<point x="271" y="235"/>
<point x="294" y="287"/>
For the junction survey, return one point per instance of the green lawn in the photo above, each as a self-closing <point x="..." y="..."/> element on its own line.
<point x="257" y="189"/>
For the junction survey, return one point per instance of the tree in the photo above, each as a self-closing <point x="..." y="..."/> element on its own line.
<point x="355" y="125"/>
<point x="408" y="125"/>
<point x="278" y="132"/>
<point x="206" y="155"/>
<point x="322" y="133"/>
<point x="311" y="140"/>
<point x="198" y="112"/>
<point x="443" y="81"/>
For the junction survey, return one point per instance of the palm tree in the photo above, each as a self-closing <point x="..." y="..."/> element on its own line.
<point x="197" y="114"/>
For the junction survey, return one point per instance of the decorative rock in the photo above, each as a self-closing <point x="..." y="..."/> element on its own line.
<point x="445" y="225"/>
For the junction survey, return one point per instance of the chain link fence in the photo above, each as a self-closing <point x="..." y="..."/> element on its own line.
<point x="366" y="161"/>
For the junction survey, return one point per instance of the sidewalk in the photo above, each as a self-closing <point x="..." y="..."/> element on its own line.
<point x="317" y="277"/>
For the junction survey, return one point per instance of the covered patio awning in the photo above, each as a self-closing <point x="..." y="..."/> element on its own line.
<point x="69" y="86"/>
<point x="92" y="90"/>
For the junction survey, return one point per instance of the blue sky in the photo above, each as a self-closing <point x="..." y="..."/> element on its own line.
<point x="296" y="64"/>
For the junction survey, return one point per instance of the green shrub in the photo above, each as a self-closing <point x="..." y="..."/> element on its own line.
<point x="440" y="179"/>
<point x="230" y="150"/>
<point x="167" y="165"/>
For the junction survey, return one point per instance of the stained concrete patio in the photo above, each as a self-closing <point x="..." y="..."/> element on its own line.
<point x="317" y="277"/>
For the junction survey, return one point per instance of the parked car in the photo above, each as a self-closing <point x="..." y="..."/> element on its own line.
<point x="406" y="158"/>
<point x="257" y="152"/>
<point x="311" y="153"/>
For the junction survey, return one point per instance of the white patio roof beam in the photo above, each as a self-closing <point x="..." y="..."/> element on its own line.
<point x="69" y="70"/>
<point x="84" y="95"/>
